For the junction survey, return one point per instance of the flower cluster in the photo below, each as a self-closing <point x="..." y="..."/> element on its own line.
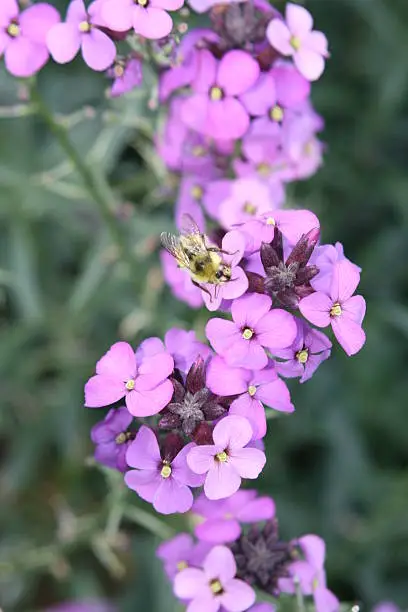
<point x="237" y="549"/>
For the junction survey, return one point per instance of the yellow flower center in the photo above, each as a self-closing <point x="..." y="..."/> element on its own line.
<point x="222" y="457"/>
<point x="216" y="94"/>
<point x="216" y="587"/>
<point x="130" y="385"/>
<point x="142" y="2"/>
<point x="13" y="30"/>
<point x="119" y="71"/>
<point x="197" y="192"/>
<point x="302" y="356"/>
<point x="181" y="565"/>
<point x="247" y="333"/>
<point x="295" y="43"/>
<point x="84" y="26"/>
<point x="249" y="208"/>
<point x="198" y="151"/>
<point x="276" y="113"/>
<point x="264" y="170"/>
<point x="165" y="471"/>
<point x="270" y="221"/>
<point x="251" y="390"/>
<point x="121" y="438"/>
<point x="335" y="310"/>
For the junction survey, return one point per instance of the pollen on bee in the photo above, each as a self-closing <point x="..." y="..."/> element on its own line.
<point x="336" y="310"/>
<point x="247" y="333"/>
<point x="251" y="390"/>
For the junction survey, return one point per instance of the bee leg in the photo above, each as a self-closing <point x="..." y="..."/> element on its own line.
<point x="217" y="250"/>
<point x="202" y="288"/>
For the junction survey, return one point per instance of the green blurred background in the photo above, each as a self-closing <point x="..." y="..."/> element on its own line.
<point x="338" y="467"/>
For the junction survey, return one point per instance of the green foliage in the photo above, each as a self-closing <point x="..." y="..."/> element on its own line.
<point x="338" y="467"/>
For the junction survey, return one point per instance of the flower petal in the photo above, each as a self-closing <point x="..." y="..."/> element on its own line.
<point x="222" y="481"/>
<point x="171" y="496"/>
<point x="63" y="42"/>
<point x="36" y="21"/>
<point x="220" y="564"/>
<point x="226" y="119"/>
<point x="249" y="309"/>
<point x="221" y="334"/>
<point x="349" y="334"/>
<point x="248" y="462"/>
<point x="153" y="370"/>
<point x="316" y="308"/>
<point x="151" y="22"/>
<point x="119" y="362"/>
<point x="354" y="308"/>
<point x="261" y="97"/>
<point x="279" y="36"/>
<point x="252" y="410"/>
<point x="299" y="20"/>
<point x="189" y="582"/>
<point x="314" y="549"/>
<point x="98" y="50"/>
<point x="144" y="452"/>
<point x="101" y="391"/>
<point x="201" y="458"/>
<point x="275" y="395"/>
<point x="232" y="432"/>
<point x="238" y="596"/>
<point x="277" y="329"/>
<point x="237" y="72"/>
<point x="226" y="380"/>
<point x="24" y="58"/>
<point x="218" y="531"/>
<point x="206" y="72"/>
<point x="147" y="403"/>
<point x="181" y="470"/>
<point x="260" y="509"/>
<point x="118" y="13"/>
<point x="309" y="63"/>
<point x="145" y="483"/>
<point x="194" y="112"/>
<point x="325" y="600"/>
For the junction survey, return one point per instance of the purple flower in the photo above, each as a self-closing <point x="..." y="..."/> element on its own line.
<point x="214" y="107"/>
<point x="292" y="224"/>
<point x="127" y="74"/>
<point x="249" y="198"/>
<point x="22" y="36"/>
<point x="179" y="282"/>
<point x="181" y="552"/>
<point x="310" y="575"/>
<point x="83" y="605"/>
<point x="228" y="459"/>
<point x="185" y="348"/>
<point x="201" y="6"/>
<point x="189" y="199"/>
<point x="215" y="585"/>
<point x="254" y="387"/>
<point x="143" y="381"/>
<point x="275" y="93"/>
<point x="147" y="17"/>
<point x="295" y="38"/>
<point x="81" y="31"/>
<point x="386" y="606"/>
<point x="233" y="247"/>
<point x="307" y="352"/>
<point x="222" y="518"/>
<point x="324" y="257"/>
<point x="255" y="327"/>
<point x="163" y="482"/>
<point x="340" y="309"/>
<point x="112" y="438"/>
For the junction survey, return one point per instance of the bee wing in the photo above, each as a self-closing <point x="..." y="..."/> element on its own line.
<point x="189" y="226"/>
<point x="172" y="244"/>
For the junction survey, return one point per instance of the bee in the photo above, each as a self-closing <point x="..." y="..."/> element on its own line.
<point x="192" y="252"/>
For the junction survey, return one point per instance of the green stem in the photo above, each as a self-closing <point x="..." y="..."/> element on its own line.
<point x="300" y="602"/>
<point x="95" y="183"/>
<point x="148" y="521"/>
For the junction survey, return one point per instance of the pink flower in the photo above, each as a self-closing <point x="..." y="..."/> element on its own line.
<point x="22" y="36"/>
<point x="184" y="347"/>
<point x="214" y="107"/>
<point x="214" y="585"/>
<point x="222" y="518"/>
<point x="249" y="197"/>
<point x="147" y="17"/>
<point x="295" y="38"/>
<point x="127" y="74"/>
<point x="254" y="388"/>
<point x="324" y="257"/>
<point x="386" y="606"/>
<point x="233" y="245"/>
<point x="311" y="575"/>
<point x="255" y="327"/>
<point x="229" y="459"/>
<point x="81" y="31"/>
<point x="143" y="381"/>
<point x="307" y="352"/>
<point x="181" y="552"/>
<point x="163" y="482"/>
<point x="179" y="282"/>
<point x="340" y="309"/>
<point x="200" y="6"/>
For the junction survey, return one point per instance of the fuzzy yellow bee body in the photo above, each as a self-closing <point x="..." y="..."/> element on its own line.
<point x="192" y="252"/>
